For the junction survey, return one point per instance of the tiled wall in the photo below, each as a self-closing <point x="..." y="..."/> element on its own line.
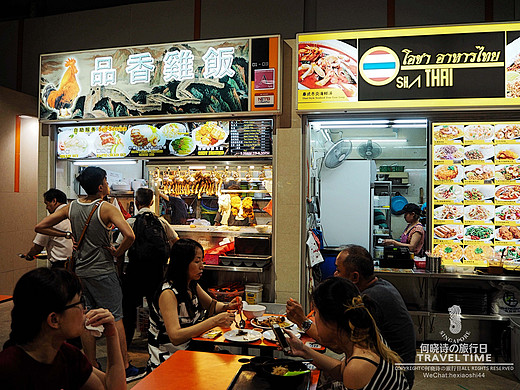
<point x="18" y="208"/>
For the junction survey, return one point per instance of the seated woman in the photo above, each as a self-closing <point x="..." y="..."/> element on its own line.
<point x="179" y="309"/>
<point x="48" y="309"/>
<point x="345" y="325"/>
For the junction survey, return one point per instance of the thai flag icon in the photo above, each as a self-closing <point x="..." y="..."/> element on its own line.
<point x="379" y="65"/>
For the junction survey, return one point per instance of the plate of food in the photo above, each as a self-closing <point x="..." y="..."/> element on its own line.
<point x="109" y="142"/>
<point x="478" y="233"/>
<point x="182" y="145"/>
<point x="507" y="213"/>
<point x="507" y="152"/>
<point x="451" y="192"/>
<point x="264" y="322"/>
<point x="210" y="134"/>
<point x="269" y="335"/>
<point x="478" y="253"/>
<point x="479" y="152"/>
<point x="448" y="211"/>
<point x="242" y="335"/>
<point x="507" y="233"/>
<point x="508" y="252"/>
<point x="479" y="192"/>
<point x="507" y="192"/>
<point x="513" y="69"/>
<point x="447" y="132"/>
<point x="328" y="64"/>
<point x="506" y="132"/>
<point x="73" y="144"/>
<point x="479" y="212"/>
<point x="448" y="232"/>
<point x="507" y="172"/>
<point x="479" y="172"/>
<point x="448" y="152"/>
<point x="482" y="132"/>
<point x="145" y="137"/>
<point x="448" y="252"/>
<point x="448" y="172"/>
<point x="172" y="130"/>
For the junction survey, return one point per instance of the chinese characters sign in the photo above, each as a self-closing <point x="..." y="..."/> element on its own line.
<point x="449" y="66"/>
<point x="166" y="79"/>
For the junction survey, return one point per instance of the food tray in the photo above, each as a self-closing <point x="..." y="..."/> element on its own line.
<point x="249" y="379"/>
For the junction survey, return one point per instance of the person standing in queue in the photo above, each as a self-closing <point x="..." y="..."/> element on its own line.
<point x="95" y="264"/>
<point x="413" y="235"/>
<point x="388" y="308"/>
<point x="59" y="249"/>
<point x="181" y="309"/>
<point x="344" y="324"/>
<point x="49" y="309"/>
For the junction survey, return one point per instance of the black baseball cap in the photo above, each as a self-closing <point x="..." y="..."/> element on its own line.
<point x="410" y="208"/>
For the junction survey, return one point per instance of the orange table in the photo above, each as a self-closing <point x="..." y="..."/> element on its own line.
<point x="5" y="298"/>
<point x="197" y="370"/>
<point x="261" y="344"/>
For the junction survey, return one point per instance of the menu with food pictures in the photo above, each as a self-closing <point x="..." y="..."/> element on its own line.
<point x="177" y="139"/>
<point x="476" y="193"/>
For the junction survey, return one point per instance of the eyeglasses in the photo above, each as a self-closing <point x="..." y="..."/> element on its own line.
<point x="80" y="302"/>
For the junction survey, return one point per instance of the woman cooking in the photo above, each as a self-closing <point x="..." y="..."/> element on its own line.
<point x="413" y="235"/>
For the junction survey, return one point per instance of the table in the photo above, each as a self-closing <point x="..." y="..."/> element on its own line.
<point x="5" y="298"/>
<point x="198" y="370"/>
<point x="262" y="344"/>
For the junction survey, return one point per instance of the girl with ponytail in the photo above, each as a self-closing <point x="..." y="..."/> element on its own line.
<point x="345" y="325"/>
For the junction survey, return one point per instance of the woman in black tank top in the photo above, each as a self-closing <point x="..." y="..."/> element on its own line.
<point x="345" y="325"/>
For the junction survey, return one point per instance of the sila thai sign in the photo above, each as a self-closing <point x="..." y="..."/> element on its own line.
<point x="449" y="66"/>
<point x="202" y="77"/>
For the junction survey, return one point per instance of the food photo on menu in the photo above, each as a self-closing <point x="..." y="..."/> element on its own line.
<point x="479" y="212"/>
<point x="448" y="232"/>
<point x="507" y="172"/>
<point x="479" y="152"/>
<point x="478" y="253"/>
<point x="447" y="132"/>
<point x="479" y="132"/>
<point x="479" y="172"/>
<point x="477" y="193"/>
<point x="507" y="213"/>
<point x="450" y="252"/>
<point x="507" y="152"/>
<point x="448" y="152"/>
<point x="451" y="192"/>
<point x="452" y="172"/>
<point x="507" y="132"/>
<point x="449" y="212"/>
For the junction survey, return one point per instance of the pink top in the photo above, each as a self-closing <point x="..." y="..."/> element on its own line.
<point x="406" y="237"/>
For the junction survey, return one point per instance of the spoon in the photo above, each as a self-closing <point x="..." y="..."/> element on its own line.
<point x="242" y="323"/>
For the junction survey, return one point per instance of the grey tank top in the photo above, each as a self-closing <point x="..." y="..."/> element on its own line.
<point x="93" y="258"/>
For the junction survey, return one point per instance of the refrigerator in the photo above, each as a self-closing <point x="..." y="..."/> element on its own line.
<point x="346" y="203"/>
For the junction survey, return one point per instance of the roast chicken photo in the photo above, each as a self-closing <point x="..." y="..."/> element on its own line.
<point x="61" y="99"/>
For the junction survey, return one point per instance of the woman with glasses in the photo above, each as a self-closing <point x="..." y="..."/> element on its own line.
<point x="345" y="325"/>
<point x="48" y="309"/>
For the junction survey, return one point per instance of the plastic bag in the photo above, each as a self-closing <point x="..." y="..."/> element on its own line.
<point x="506" y="300"/>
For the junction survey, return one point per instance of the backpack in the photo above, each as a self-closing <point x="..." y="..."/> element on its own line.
<point x="151" y="246"/>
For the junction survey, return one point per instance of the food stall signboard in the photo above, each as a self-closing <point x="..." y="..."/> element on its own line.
<point x="475" y="203"/>
<point x="202" y="77"/>
<point x="439" y="67"/>
<point x="241" y="137"/>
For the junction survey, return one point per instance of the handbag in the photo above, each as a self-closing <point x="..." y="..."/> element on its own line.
<point x="71" y="263"/>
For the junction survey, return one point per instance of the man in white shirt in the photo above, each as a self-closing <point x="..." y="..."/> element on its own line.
<point x="145" y="259"/>
<point x="59" y="249"/>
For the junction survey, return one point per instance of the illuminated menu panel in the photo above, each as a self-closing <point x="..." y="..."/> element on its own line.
<point x="476" y="193"/>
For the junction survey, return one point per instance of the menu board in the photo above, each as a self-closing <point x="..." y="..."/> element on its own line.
<point x="176" y="139"/>
<point x="251" y="137"/>
<point x="476" y="193"/>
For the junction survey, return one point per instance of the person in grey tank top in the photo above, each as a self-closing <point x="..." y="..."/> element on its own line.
<point x="95" y="261"/>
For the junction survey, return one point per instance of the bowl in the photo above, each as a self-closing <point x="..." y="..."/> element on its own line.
<point x="253" y="311"/>
<point x="262" y="228"/>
